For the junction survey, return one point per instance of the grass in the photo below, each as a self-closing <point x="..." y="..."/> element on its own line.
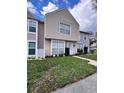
<point x="47" y="75"/>
<point x="90" y="56"/>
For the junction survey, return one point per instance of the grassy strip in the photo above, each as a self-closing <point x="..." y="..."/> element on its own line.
<point x="90" y="56"/>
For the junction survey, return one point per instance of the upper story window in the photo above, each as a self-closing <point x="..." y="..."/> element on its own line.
<point x="32" y="26"/>
<point x="64" y="28"/>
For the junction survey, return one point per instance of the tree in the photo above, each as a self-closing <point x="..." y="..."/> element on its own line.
<point x="94" y="4"/>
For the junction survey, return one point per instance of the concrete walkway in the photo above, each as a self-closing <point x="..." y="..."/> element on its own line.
<point x="87" y="85"/>
<point x="92" y="62"/>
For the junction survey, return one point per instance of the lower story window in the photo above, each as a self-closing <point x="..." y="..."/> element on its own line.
<point x="57" y="47"/>
<point x="31" y="48"/>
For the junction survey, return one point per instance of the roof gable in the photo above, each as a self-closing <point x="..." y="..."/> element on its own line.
<point x="59" y="10"/>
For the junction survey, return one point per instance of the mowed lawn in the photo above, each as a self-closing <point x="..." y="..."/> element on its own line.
<point x="90" y="56"/>
<point x="46" y="75"/>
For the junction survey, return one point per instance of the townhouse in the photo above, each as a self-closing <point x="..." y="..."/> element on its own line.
<point x="58" y="34"/>
<point x="61" y="33"/>
<point x="84" y="42"/>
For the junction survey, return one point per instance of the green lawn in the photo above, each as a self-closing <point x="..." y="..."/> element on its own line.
<point x="90" y="56"/>
<point x="47" y="75"/>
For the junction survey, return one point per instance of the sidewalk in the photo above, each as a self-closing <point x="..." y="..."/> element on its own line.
<point x="92" y="62"/>
<point x="87" y="85"/>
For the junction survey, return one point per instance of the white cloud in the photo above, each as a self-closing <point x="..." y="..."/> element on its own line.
<point x="84" y="15"/>
<point x="31" y="7"/>
<point x="49" y="8"/>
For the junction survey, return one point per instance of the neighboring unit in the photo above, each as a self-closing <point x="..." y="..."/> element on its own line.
<point x="35" y="37"/>
<point x="84" y="43"/>
<point x="93" y="41"/>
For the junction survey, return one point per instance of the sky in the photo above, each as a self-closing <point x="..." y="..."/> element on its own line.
<point x="81" y="10"/>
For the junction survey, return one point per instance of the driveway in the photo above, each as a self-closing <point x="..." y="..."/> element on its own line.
<point x="87" y="85"/>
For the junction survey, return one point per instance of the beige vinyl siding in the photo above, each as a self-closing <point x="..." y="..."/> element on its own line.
<point x="52" y="22"/>
<point x="40" y="35"/>
<point x="31" y="36"/>
<point x="47" y="47"/>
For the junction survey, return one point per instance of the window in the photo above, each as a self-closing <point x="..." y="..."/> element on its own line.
<point x="85" y="38"/>
<point x="31" y="48"/>
<point x="57" y="47"/>
<point x="64" y="28"/>
<point x="31" y="26"/>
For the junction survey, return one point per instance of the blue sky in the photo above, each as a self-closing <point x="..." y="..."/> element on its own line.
<point x="80" y="9"/>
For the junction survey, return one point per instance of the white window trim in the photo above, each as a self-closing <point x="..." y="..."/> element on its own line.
<point x="63" y="33"/>
<point x="28" y="48"/>
<point x="52" y="44"/>
<point x="36" y="26"/>
<point x="36" y="35"/>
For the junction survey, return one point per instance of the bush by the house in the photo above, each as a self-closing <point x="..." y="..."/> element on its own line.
<point x="80" y="51"/>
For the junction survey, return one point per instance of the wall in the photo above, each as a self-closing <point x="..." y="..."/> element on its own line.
<point x="47" y="47"/>
<point x="52" y="26"/>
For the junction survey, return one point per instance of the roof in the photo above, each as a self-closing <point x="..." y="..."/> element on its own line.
<point x="58" y="10"/>
<point x="85" y="32"/>
<point x="31" y="16"/>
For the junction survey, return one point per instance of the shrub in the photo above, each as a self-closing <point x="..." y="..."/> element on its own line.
<point x="55" y="55"/>
<point x="92" y="51"/>
<point x="80" y="51"/>
<point x="61" y="55"/>
<point x="47" y="56"/>
<point x="40" y="58"/>
<point x="77" y="54"/>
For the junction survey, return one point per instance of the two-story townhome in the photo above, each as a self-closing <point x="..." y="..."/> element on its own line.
<point x="57" y="34"/>
<point x="84" y="43"/>
<point x="35" y="37"/>
<point x="61" y="33"/>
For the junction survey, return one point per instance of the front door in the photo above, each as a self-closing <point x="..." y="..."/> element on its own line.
<point x="71" y="47"/>
<point x="85" y="50"/>
<point x="67" y="51"/>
